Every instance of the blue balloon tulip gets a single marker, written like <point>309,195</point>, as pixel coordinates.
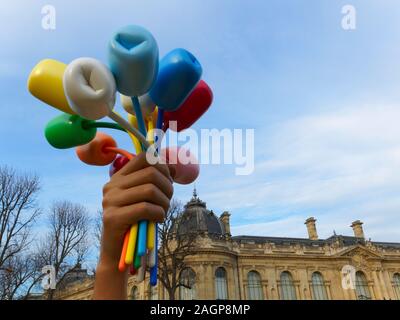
<point>133,59</point>
<point>178,75</point>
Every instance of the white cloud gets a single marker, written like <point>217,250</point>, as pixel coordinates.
<point>340,166</point>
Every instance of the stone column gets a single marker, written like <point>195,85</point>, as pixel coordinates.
<point>210,282</point>
<point>328,290</point>
<point>298,290</point>
<point>264,286</point>
<point>346,295</point>
<point>388,284</point>
<point>304,285</point>
<point>385,289</point>
<point>337,291</point>
<point>202,287</point>
<point>240,284</point>
<point>273,285</point>
<point>237,273</point>
<point>232,283</point>
<point>378,295</point>
<point>348,292</point>
<point>372,290</point>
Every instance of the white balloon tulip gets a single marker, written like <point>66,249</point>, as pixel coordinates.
<point>90,88</point>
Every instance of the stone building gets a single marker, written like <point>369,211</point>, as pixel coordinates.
<point>254,267</point>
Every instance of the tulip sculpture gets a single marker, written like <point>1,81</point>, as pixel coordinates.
<point>153,92</point>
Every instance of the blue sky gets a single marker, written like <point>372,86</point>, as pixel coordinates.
<point>324,103</point>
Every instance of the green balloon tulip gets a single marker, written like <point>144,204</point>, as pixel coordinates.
<point>69,131</point>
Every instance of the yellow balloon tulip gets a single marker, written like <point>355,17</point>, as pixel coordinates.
<point>46,83</point>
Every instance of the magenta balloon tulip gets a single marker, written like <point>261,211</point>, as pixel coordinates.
<point>118,164</point>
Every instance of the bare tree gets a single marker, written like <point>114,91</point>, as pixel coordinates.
<point>96,236</point>
<point>66,244</point>
<point>98,228</point>
<point>20,277</point>
<point>175,245</point>
<point>18,212</point>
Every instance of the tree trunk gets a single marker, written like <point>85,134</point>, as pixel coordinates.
<point>171,294</point>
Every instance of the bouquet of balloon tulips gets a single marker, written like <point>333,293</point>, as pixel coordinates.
<point>153,93</point>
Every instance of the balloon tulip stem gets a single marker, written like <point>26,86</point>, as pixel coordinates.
<point>139,116</point>
<point>137,260</point>
<point>119,151</point>
<point>153,270</point>
<point>160,120</point>
<point>142,238</point>
<point>126,125</point>
<point>109,125</point>
<point>158,139</point>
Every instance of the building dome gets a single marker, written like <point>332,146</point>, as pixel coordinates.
<point>197,218</point>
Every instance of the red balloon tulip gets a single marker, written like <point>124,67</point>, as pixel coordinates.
<point>185,167</point>
<point>198,102</point>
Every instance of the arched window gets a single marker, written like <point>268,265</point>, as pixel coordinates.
<point>134,293</point>
<point>221,287</point>
<point>288,291</point>
<point>254,287</point>
<point>318,287</point>
<point>188,279</point>
<point>362,289</point>
<point>396,285</point>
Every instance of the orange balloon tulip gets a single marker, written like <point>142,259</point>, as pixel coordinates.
<point>95,153</point>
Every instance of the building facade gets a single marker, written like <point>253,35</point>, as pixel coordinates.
<point>273,268</point>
